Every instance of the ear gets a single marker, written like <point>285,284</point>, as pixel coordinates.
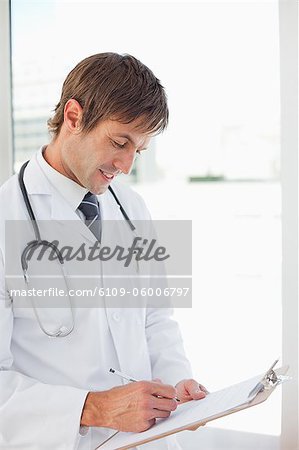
<point>73,116</point>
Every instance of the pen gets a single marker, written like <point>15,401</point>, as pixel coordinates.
<point>128,378</point>
<point>122,375</point>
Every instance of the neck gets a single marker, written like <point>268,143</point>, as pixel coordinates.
<point>52,155</point>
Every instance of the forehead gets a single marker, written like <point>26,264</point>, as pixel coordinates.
<point>136,126</point>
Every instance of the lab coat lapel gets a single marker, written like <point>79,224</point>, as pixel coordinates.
<point>125,321</point>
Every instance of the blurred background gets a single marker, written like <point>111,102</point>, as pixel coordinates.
<point>218,163</point>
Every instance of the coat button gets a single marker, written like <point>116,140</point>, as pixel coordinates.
<point>116,317</point>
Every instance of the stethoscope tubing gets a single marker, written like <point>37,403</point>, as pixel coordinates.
<point>38,241</point>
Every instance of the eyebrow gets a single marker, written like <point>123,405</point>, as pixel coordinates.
<point>127,136</point>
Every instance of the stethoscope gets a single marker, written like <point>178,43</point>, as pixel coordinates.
<point>31,246</point>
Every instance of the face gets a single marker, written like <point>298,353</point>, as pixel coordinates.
<point>93,160</point>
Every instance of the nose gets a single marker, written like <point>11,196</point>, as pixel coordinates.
<point>124,162</point>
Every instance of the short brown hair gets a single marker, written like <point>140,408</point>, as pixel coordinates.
<point>113,86</point>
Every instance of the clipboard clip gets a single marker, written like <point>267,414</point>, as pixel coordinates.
<point>269,381</point>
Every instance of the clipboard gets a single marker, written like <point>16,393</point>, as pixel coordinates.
<point>260,388</point>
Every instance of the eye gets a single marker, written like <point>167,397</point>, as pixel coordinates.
<point>118,145</point>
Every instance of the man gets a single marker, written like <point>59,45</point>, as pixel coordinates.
<point>58,393</point>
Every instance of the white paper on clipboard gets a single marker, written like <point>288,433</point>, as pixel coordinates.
<point>215,404</point>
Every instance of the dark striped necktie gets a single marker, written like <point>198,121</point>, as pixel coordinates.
<point>91,210</point>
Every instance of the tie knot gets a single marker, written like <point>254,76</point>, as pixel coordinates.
<point>90,206</point>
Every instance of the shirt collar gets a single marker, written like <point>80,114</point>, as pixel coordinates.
<point>72,192</point>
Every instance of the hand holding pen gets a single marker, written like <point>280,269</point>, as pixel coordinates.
<point>131,407</point>
<point>135,406</point>
<point>131,379</point>
<point>188,389</point>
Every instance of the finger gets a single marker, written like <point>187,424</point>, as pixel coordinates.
<point>198,394</point>
<point>151,422</point>
<point>163,390</point>
<point>195,427</point>
<point>164,404</point>
<point>157,414</point>
<point>203,389</point>
<point>188,398</point>
<point>194,390</point>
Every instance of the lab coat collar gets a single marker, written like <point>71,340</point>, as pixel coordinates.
<point>38,184</point>
<point>35,180</point>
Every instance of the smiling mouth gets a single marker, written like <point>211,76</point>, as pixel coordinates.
<point>106,175</point>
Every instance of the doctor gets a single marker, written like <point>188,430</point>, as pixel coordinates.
<point>57,393</point>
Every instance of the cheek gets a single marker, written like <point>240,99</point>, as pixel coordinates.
<point>88,154</point>
<point>83,158</point>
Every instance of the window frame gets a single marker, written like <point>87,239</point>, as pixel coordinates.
<point>6,166</point>
<point>288,25</point>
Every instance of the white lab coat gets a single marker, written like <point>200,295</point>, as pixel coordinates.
<point>43,384</point>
